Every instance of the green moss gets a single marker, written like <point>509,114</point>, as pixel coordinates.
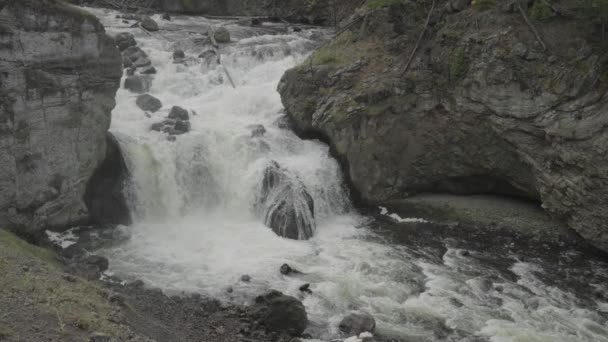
<point>13,242</point>
<point>458,63</point>
<point>375,4</point>
<point>483,4</point>
<point>540,11</point>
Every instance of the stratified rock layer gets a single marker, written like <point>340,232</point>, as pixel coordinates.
<point>482,108</point>
<point>59,74</point>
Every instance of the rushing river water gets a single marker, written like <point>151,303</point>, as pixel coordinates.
<point>195,228</point>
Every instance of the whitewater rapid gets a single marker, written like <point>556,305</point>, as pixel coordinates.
<point>195,229</point>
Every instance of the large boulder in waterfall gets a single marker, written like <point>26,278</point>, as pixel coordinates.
<point>59,76</point>
<point>149,23</point>
<point>281,313</point>
<point>357,323</point>
<point>178,112</point>
<point>471,115</point>
<point>105,196</point>
<point>285,204</point>
<point>148,103</point>
<point>222,35</point>
<point>124,40</point>
<point>138,83</point>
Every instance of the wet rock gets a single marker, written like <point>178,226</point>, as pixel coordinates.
<point>100,262</point>
<point>287,270</point>
<point>257,130</point>
<point>131,70</point>
<point>126,62</point>
<point>172,138</point>
<point>181,127</point>
<point>134,53</point>
<point>179,113</point>
<point>157,126</point>
<point>249,22</point>
<point>149,70</point>
<point>147,102</point>
<point>245,278</point>
<point>179,54</point>
<point>149,24</point>
<point>104,196</point>
<point>166,16</point>
<point>124,40</point>
<point>357,323</point>
<point>280,313</point>
<point>285,204</point>
<point>222,35</point>
<point>142,62</point>
<point>137,84</point>
<point>305,288</point>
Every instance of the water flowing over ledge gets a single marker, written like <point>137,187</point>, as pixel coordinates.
<point>196,228</point>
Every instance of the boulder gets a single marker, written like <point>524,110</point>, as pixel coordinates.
<point>280,313</point>
<point>100,262</point>
<point>126,62</point>
<point>104,197</point>
<point>357,323</point>
<point>287,270</point>
<point>134,53</point>
<point>147,102</point>
<point>181,127</point>
<point>138,84</point>
<point>149,23</point>
<point>124,40</point>
<point>222,35</point>
<point>148,70</point>
<point>179,54</point>
<point>56,63</point>
<point>285,204</point>
<point>179,113</point>
<point>166,16</point>
<point>142,62</point>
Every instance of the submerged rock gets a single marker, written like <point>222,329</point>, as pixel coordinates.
<point>149,70</point>
<point>286,205</point>
<point>179,54</point>
<point>287,270</point>
<point>257,130</point>
<point>281,313</point>
<point>148,103</point>
<point>357,323</point>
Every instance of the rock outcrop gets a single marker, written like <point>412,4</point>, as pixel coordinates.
<point>483,107</point>
<point>320,12</point>
<point>281,313</point>
<point>59,73</point>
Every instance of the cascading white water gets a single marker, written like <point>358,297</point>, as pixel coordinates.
<point>196,228</point>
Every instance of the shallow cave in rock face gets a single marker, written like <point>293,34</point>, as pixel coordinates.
<point>481,185</point>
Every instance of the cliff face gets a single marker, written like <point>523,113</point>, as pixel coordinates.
<point>482,108</point>
<point>59,73</point>
<point>320,12</point>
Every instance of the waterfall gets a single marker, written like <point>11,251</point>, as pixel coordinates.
<point>209,205</point>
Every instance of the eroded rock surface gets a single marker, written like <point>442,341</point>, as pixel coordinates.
<point>59,74</point>
<point>483,108</point>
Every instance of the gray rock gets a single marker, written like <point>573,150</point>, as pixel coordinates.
<point>179,113</point>
<point>281,313</point>
<point>287,270</point>
<point>149,23</point>
<point>126,62</point>
<point>245,278</point>
<point>148,70</point>
<point>179,54</point>
<point>134,53</point>
<point>105,195</point>
<point>157,126</point>
<point>181,127</point>
<point>149,103</point>
<point>166,16</point>
<point>138,84</point>
<point>98,261</point>
<point>540,139</point>
<point>45,164</point>
<point>222,35</point>
<point>285,204</point>
<point>357,323</point>
<point>142,62</point>
<point>124,40</point>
